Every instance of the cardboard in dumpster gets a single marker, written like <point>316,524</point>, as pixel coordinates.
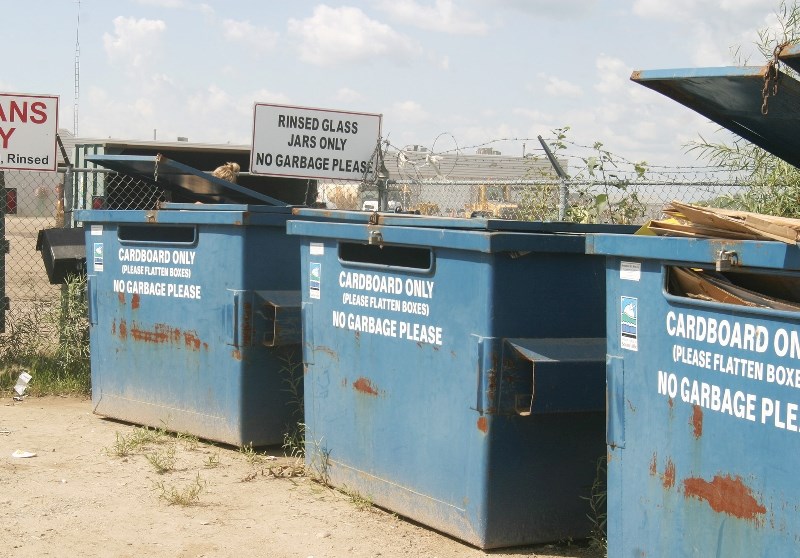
<point>689,220</point>
<point>718,287</point>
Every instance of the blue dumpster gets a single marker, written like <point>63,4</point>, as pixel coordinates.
<point>455,370</point>
<point>195,315</point>
<point>703,400</point>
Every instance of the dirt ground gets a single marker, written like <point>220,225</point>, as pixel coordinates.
<point>78,497</point>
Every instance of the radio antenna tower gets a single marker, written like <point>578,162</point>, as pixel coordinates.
<point>77,73</point>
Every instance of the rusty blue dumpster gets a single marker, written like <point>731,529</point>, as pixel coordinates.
<point>195,315</point>
<point>703,400</point>
<point>455,370</point>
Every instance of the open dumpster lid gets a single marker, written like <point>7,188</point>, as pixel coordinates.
<point>190,182</point>
<point>482,224</point>
<point>732,97</point>
<point>790,55</point>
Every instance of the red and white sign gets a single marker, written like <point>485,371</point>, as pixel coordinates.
<point>28,128</point>
<point>303,142</point>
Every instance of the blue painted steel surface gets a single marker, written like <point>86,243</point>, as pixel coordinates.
<point>194,315</point>
<point>732,97</point>
<point>703,406</point>
<point>455,376</point>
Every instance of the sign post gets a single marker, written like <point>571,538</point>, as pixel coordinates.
<point>28,128</point>
<point>303,142</point>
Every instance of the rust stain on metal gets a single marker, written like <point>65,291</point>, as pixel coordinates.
<point>135,300</point>
<point>248,324</point>
<point>636,74</point>
<point>163,333</point>
<point>121,298</point>
<point>483,425</point>
<point>653,463</point>
<point>669,474</point>
<point>191,340</point>
<point>237,354</point>
<point>726,494</point>
<point>113,328</point>
<point>328,351</point>
<point>671,402</point>
<point>123,330</point>
<point>364,386</point>
<point>697,421</point>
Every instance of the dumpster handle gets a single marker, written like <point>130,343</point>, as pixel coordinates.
<point>91,300</point>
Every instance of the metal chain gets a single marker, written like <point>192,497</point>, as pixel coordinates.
<point>771,77</point>
<point>155,169</point>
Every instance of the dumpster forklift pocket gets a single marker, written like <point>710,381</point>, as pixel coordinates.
<point>544,376</point>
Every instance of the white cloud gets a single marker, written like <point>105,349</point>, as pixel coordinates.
<point>347,95</point>
<point>134,42</point>
<point>613,75</point>
<point>555,9</point>
<point>340,35</point>
<point>442,63</point>
<point>557,87</point>
<point>409,111</point>
<point>267,96</point>
<point>531,114</point>
<point>444,16</point>
<point>163,3</point>
<point>178,4</point>
<point>715,28</point>
<point>257,38</point>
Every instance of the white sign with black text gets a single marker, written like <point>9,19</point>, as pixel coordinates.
<point>303,142</point>
<point>28,128</point>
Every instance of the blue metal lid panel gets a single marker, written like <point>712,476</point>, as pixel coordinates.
<point>732,97</point>
<point>742,253</point>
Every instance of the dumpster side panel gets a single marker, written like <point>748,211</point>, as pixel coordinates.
<point>405,368</point>
<point>176,328</point>
<point>705,422</point>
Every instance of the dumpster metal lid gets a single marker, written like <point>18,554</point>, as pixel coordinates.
<point>479,223</point>
<point>732,97</point>
<point>178,177</point>
<point>742,253</point>
<point>790,54</point>
<point>520,244</point>
<point>573,349</point>
<point>190,215</point>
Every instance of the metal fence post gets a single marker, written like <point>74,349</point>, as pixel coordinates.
<point>563,191</point>
<point>3,251</point>
<point>69,195</point>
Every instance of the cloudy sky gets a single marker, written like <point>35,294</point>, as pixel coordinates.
<point>441,72</point>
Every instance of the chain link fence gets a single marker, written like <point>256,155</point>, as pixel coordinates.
<point>32,201</point>
<point>29,202</point>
